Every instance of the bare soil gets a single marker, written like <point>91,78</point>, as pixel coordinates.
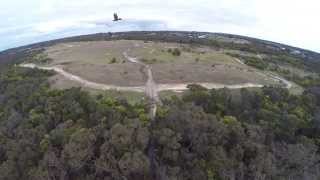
<point>92,61</point>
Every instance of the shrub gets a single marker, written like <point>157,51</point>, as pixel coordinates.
<point>113,60</point>
<point>256,62</point>
<point>154,60</point>
<point>176,52</point>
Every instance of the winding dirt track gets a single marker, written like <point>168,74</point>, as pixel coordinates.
<point>285,82</point>
<point>158,87</point>
<point>82,81</point>
<point>151,88</point>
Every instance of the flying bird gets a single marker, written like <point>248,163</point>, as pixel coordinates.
<point>116,18</point>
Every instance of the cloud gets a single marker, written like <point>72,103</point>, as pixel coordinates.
<point>59,25</point>
<point>286,21</point>
<point>17,36</point>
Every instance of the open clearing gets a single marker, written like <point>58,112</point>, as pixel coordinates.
<point>59,82</point>
<point>149,67</point>
<point>104,62</point>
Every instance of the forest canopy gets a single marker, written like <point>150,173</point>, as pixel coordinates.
<point>246,134</point>
<point>205,134</point>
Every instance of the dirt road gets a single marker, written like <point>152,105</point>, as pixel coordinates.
<point>275,77</point>
<point>151,89</point>
<point>82,81</point>
<point>160,87</point>
<point>183,87</point>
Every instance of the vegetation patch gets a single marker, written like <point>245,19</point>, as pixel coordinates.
<point>284,65</point>
<point>69,133</point>
<point>93,135</point>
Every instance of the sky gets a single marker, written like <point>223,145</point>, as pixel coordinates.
<point>292,22</point>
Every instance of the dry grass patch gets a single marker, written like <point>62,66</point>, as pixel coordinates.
<point>104,62</point>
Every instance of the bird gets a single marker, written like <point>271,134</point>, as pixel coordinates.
<point>116,18</point>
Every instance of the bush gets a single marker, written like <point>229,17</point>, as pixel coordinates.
<point>176,52</point>
<point>251,61</point>
<point>154,60</point>
<point>113,60</point>
<point>256,62</point>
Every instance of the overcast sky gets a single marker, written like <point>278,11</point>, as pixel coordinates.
<point>293,22</point>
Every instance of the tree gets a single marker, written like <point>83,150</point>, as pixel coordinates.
<point>80,149</point>
<point>176,52</point>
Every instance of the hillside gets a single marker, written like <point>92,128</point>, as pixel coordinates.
<point>159,105</point>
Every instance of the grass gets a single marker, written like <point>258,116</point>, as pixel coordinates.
<point>59,82</point>
<point>185,57</point>
<point>131,97</point>
<point>104,62</point>
<point>111,52</point>
<point>168,94</point>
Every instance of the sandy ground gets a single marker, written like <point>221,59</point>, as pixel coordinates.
<point>85,82</point>
<point>91,61</point>
<point>126,66</point>
<point>151,89</point>
<point>178,73</point>
<point>90,64</point>
<point>160,87</point>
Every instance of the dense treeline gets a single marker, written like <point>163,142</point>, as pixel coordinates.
<point>256,46</point>
<point>205,134</point>
<point>279,63</point>
<point>63,134</point>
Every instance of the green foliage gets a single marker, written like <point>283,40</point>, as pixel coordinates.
<point>113,60</point>
<point>174,52</point>
<point>41,58</point>
<point>206,134</point>
<point>149,61</point>
<point>229,120</point>
<point>44,143</point>
<point>306,81</point>
<point>162,112</point>
<point>144,118</point>
<point>256,62</point>
<point>272,63</point>
<point>286,59</point>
